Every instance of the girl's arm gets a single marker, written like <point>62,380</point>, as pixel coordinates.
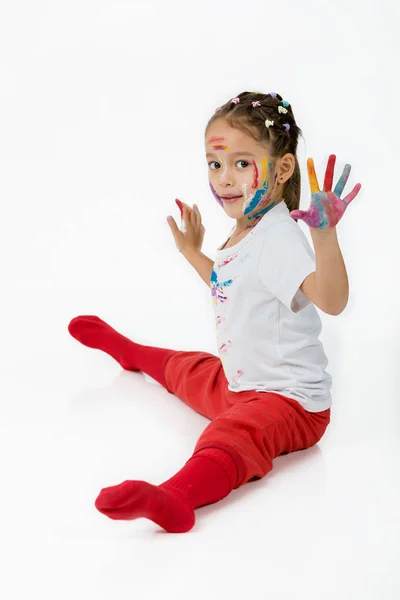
<point>201,263</point>
<point>328,287</point>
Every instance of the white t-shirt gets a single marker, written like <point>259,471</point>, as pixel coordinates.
<point>267,329</point>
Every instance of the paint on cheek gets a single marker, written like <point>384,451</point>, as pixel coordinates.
<point>247,199</point>
<point>258,199</point>
<point>255,201</point>
<point>255,182</point>
<point>264,169</point>
<point>218,199</point>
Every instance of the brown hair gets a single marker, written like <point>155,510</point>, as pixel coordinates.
<point>251,120</point>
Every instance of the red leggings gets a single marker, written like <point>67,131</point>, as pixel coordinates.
<point>252,427</point>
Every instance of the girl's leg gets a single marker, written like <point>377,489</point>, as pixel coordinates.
<point>262,429</point>
<point>197,378</point>
<point>239,445</point>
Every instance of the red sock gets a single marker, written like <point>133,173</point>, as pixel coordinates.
<point>95,333</point>
<point>207,477</point>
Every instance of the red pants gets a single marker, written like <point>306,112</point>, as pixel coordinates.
<point>252,427</point>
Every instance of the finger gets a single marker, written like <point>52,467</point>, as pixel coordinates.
<point>297,214</point>
<point>186,223</point>
<point>198,215</point>
<point>350,197</point>
<point>312,176</point>
<point>342,181</point>
<point>186,213</point>
<point>194,217</point>
<point>174,227</point>
<point>180,206</point>
<point>330,169</point>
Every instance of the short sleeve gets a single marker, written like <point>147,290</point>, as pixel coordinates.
<point>286,259</point>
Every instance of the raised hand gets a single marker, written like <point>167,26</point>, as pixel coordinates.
<point>326,208</point>
<point>192,234</point>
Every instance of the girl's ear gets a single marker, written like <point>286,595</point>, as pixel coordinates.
<point>286,167</point>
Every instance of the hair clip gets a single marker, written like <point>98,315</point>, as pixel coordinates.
<point>285,103</point>
<point>268,123</point>
<point>282,110</point>
<point>235,100</point>
<point>286,126</point>
<point>256,103</point>
<point>217,109</point>
<point>273,95</point>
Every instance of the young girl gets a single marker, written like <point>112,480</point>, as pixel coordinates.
<point>268,392</point>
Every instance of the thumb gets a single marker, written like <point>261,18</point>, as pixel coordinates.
<point>297,214</point>
<point>173,226</point>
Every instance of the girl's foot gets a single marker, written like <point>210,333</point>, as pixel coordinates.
<point>138,499</point>
<point>95,333</point>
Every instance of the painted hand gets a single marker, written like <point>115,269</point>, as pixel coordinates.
<point>326,208</point>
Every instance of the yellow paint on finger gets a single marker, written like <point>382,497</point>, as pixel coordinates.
<point>312,176</point>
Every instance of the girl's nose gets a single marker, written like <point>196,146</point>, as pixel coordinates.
<point>226,178</point>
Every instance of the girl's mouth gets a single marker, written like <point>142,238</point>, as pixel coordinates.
<point>231,200</point>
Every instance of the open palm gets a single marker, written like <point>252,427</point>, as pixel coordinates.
<point>326,208</point>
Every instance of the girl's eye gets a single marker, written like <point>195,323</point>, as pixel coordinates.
<point>244,161</point>
<point>215,162</point>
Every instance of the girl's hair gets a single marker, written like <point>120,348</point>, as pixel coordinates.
<point>251,120</point>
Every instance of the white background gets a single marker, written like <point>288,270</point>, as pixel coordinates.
<point>103,107</point>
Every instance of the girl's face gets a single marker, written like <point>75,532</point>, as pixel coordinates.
<point>239,166</point>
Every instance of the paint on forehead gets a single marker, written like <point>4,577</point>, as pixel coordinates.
<point>220,147</point>
<point>218,199</point>
<point>215,139</point>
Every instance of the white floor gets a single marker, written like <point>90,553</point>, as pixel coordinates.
<point>323,524</point>
<point>103,109</point>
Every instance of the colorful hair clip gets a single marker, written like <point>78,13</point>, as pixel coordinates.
<point>273,95</point>
<point>256,103</point>
<point>282,110</point>
<point>268,123</point>
<point>286,126</point>
<point>217,109</point>
<point>235,100</point>
<point>285,103</point>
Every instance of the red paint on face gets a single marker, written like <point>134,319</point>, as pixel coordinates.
<point>216,139</point>
<point>255,182</point>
